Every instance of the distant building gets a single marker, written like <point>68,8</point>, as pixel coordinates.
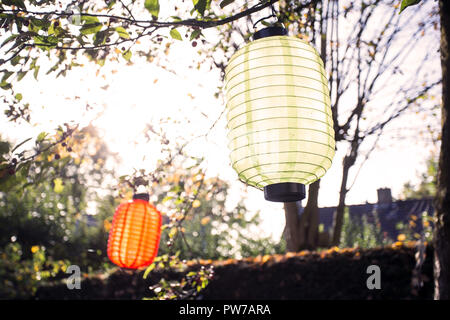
<point>389,213</point>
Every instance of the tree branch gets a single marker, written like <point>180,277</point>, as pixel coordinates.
<point>204,24</point>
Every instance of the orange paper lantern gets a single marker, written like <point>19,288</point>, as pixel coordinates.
<point>134,237</point>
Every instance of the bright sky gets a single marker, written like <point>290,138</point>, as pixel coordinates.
<point>144,93</point>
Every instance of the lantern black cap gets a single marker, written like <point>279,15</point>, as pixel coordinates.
<point>141,196</point>
<point>270,32</point>
<point>285,192</point>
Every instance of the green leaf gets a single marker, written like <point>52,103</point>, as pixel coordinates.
<point>91,28</point>
<point>224,3</point>
<point>39,24</point>
<point>148,270</point>
<point>41,137</point>
<point>111,3</point>
<point>20,75</point>
<point>153,7</point>
<point>51,30</point>
<point>175,34</point>
<point>407,3</point>
<point>122,33</point>
<point>200,6</point>
<point>89,19</point>
<point>100,37</point>
<point>20,4</point>
<point>9,39</point>
<point>45,42</point>
<point>195,34</point>
<point>15,61</point>
<point>172,232</point>
<point>126,55</point>
<point>36,71</point>
<point>17,3</point>
<point>5,85</point>
<point>58,188</point>
<point>6,75</point>
<point>19,96</point>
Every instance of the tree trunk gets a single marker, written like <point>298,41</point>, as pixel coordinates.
<point>442,218</point>
<point>338,219</point>
<point>302,231</point>
<point>291,230</point>
<point>312,215</point>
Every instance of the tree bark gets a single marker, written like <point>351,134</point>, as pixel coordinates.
<point>291,230</point>
<point>312,215</point>
<point>347,163</point>
<point>302,231</point>
<point>442,201</point>
<point>338,219</point>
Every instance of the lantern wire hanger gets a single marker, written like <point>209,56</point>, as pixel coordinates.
<point>140,192</point>
<point>139,185</point>
<point>276,29</point>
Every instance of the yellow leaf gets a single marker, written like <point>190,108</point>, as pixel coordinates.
<point>58,188</point>
<point>265,258</point>
<point>205,220</point>
<point>196,203</point>
<point>107,225</point>
<point>291,254</point>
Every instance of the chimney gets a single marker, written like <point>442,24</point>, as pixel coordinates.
<point>384,196</point>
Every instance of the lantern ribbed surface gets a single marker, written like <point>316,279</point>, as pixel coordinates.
<point>278,111</point>
<point>135,233</point>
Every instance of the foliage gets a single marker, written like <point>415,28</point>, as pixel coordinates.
<point>362,233</point>
<point>46,209</point>
<point>20,167</point>
<point>20,277</point>
<point>43,211</point>
<point>197,225</point>
<point>416,228</point>
<point>427,185</point>
<point>38,32</point>
<point>188,287</point>
<point>210,231</point>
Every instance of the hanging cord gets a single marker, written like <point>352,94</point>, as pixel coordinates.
<point>272,15</point>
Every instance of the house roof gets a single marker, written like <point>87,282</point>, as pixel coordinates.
<point>388,214</point>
